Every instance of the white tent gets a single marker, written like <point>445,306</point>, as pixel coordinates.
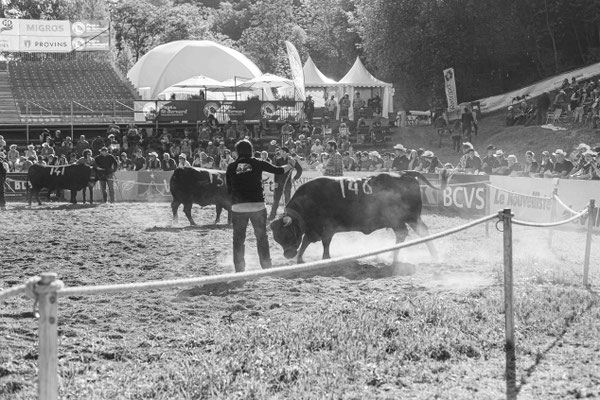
<point>167,64</point>
<point>316,83</point>
<point>358,79</point>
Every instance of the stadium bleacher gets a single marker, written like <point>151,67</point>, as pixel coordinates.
<point>79,88</point>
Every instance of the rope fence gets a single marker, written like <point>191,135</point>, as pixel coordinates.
<point>551,224</point>
<point>563,205</point>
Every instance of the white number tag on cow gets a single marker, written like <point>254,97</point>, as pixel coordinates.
<point>57,170</point>
<point>354,186</point>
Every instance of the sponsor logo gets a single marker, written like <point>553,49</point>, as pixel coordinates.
<point>210,108</point>
<point>149,110</point>
<point>243,168</point>
<point>78,28</point>
<point>7,25</point>
<point>44,28</point>
<point>267,110</point>
<point>468,197</point>
<point>78,43</point>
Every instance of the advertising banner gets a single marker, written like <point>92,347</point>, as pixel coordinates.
<point>530,199</point>
<point>44,28</point>
<point>576,195</point>
<point>450,87</point>
<point>38,44</point>
<point>465,195</point>
<point>90,35</point>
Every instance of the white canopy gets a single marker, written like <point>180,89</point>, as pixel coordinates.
<point>173,62</point>
<point>313,77</point>
<point>359,79</point>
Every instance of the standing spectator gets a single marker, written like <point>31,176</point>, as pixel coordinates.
<point>331,107</point>
<point>44,135</point>
<point>244,183</point>
<point>230,133</point>
<point>357,105</point>
<point>456,135</point>
<point>226,159</point>
<point>58,139</point>
<point>466,120</point>
<point>139,162</point>
<point>287,131</point>
<point>46,150</point>
<point>107,165</point>
<point>334,165</point>
<point>309,108</point>
<point>344,106</point>
<point>67,146</point>
<point>283,182</point>
<point>186,147</point>
<point>81,145</point>
<point>113,129</point>
<point>317,147</point>
<point>167,163</point>
<point>3,172</point>
<point>175,150</point>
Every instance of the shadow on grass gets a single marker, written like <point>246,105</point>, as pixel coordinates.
<point>353,271</point>
<point>208,227</point>
<point>19,315</point>
<point>53,207</point>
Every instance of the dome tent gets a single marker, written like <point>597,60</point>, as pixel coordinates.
<point>173,62</point>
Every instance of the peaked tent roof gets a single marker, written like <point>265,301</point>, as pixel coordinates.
<point>313,77</point>
<point>359,76</point>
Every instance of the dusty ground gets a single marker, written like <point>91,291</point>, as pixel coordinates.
<point>121,243</point>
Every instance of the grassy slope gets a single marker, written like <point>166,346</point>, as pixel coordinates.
<point>513,140</point>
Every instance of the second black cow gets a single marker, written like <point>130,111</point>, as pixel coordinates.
<point>325,206</point>
<point>200,186</point>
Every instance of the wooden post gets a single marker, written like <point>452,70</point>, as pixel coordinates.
<point>487,209</point>
<point>588,240</point>
<point>552,215</point>
<point>511,375</point>
<point>48,332</point>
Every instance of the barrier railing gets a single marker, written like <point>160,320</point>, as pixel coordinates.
<point>46,289</point>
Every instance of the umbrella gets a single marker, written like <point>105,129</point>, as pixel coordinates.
<point>203,82</point>
<point>267,81</point>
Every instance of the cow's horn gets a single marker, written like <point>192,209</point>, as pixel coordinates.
<point>287,221</point>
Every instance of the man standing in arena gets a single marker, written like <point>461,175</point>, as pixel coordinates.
<point>283,183</point>
<point>244,183</point>
<point>107,165</point>
<point>335,163</point>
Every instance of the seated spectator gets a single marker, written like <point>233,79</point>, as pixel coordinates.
<point>30,152</point>
<point>363,161</point>
<point>472,163</point>
<point>114,147</point>
<point>225,160</point>
<point>52,159</point>
<point>67,146</point>
<point>343,131</point>
<point>489,161</point>
<point>183,162</point>
<point>387,162</point>
<point>139,162</point>
<point>175,150</point>
<point>167,163</point>
<point>578,159</point>
<point>287,131</point>
<point>186,147</point>
<point>348,161</point>
<point>376,161</point>
<point>230,134</point>
<point>530,167</point>
<point>12,157</point>
<point>589,168</point>
<point>413,159</point>
<point>25,163</point>
<point>546,165</point>
<point>513,168</point>
<point>264,156</point>
<point>562,166</point>
<point>206,161</point>
<point>213,123</point>
<point>429,163</point>
<point>153,162</point>
<point>242,130</point>
<point>197,162</point>
<point>81,145</point>
<point>317,147</point>
<point>272,149</point>
<point>501,164</point>
<point>125,164</point>
<point>46,151</point>
<point>313,162</point>
<point>62,160</point>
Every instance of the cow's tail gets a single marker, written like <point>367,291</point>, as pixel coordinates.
<point>444,177</point>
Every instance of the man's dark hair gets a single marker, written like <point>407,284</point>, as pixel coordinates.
<point>333,143</point>
<point>285,148</point>
<point>244,148</point>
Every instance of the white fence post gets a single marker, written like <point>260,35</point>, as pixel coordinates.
<point>48,332</point>
<point>588,240</point>
<point>511,375</point>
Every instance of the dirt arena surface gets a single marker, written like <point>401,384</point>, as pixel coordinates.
<point>147,344</point>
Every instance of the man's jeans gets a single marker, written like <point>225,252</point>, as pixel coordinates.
<point>259,223</point>
<point>111,189</point>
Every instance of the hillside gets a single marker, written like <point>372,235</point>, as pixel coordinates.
<point>492,130</point>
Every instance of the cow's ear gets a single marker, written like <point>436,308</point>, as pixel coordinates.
<point>287,221</point>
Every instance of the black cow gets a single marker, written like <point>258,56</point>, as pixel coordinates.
<point>54,177</point>
<point>325,206</point>
<point>201,186</point>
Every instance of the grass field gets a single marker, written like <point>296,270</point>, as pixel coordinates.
<point>351,332</point>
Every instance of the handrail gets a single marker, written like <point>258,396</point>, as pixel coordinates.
<point>79,104</point>
<point>39,106</point>
<point>124,105</point>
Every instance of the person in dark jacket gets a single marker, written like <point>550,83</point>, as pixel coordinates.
<point>106,165</point>
<point>244,184</point>
<point>283,183</point>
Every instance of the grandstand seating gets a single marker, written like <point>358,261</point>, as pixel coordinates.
<point>81,88</point>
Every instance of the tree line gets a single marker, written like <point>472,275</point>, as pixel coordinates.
<point>493,45</point>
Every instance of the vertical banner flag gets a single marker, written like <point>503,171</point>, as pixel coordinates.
<point>450,86</point>
<point>296,69</point>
